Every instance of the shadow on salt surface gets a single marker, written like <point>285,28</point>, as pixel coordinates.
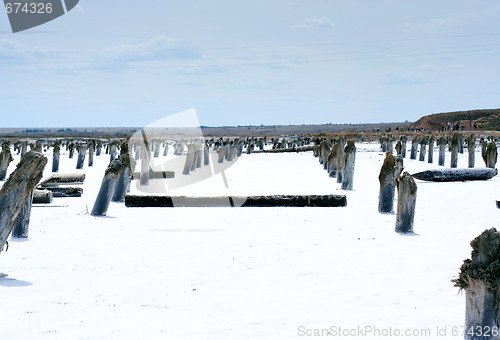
<point>7,282</point>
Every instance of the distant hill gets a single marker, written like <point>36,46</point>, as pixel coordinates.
<point>488,120</point>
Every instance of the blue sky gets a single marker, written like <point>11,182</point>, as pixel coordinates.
<point>124,63</point>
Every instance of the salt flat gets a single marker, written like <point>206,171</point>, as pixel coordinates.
<point>229,273</point>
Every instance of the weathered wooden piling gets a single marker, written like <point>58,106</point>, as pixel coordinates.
<point>206,154</point>
<point>24,149</point>
<point>407,197</point>
<point>56,155</point>
<point>21,229</point>
<point>108,185</point>
<point>145,162</point>
<point>461,143</point>
<point>348,170</point>
<point>17,189</point>
<point>399,147</point>
<point>403,140</point>
<point>332,160</point>
<point>340,158</point>
<point>442,141</point>
<point>387,184</point>
<point>91,147</point>
<point>221,152</point>
<point>423,145</point>
<point>471,149</point>
<point>5,159</point>
<point>430,152</point>
<point>188,166</point>
<point>165,150</point>
<point>479,278</point>
<point>491,155</point>
<point>414,146</point>
<point>113,150</point>
<point>455,140</point>
<point>82,150</point>
<point>71,148</point>
<point>98,148</point>
<point>128,166</point>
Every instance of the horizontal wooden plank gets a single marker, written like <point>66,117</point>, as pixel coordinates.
<point>243,201</point>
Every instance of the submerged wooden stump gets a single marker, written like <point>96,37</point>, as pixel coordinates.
<point>407,196</point>
<point>455,140</point>
<point>91,146</point>
<point>349,160</point>
<point>332,160</point>
<point>56,155</point>
<point>17,189</point>
<point>430,153</point>
<point>108,185</point>
<point>414,146</point>
<point>480,278</point>
<point>5,159</point>
<point>423,146</point>
<point>340,159</point>
<point>442,149</point>
<point>491,155</point>
<point>387,184</point>
<point>471,148</point>
<point>21,229</point>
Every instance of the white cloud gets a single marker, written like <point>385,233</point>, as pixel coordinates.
<point>309,23</point>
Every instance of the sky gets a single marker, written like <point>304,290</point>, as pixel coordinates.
<point>128,63</point>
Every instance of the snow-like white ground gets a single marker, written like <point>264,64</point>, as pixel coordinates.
<point>238,273</point>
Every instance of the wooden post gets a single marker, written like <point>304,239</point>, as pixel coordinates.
<point>387,188</point>
<point>454,150</point>
<point>399,147</point>
<point>113,150</point>
<point>137,148</point>
<point>98,148</point>
<point>403,139</point>
<point>21,229</point>
<point>206,154</point>
<point>38,147</point>
<point>479,278</point>
<point>5,159</point>
<point>423,145</point>
<point>383,143</point>
<point>128,165</point>
<point>332,160</point>
<point>221,152</point>
<point>145,162</point>
<point>156,149</point>
<point>407,196</point>
<point>82,150</point>
<point>189,160</point>
<point>56,154</point>
<point>91,146</point>
<point>471,149</point>
<point>348,170</point>
<point>399,166</point>
<point>430,152</point>
<point>17,189</point>
<point>461,143</point>
<point>108,185</point>
<point>490,156</point>
<point>24,149</point>
<point>442,149</point>
<point>340,158</point>
<point>71,148</point>
<point>414,146</point>
<point>165,150</point>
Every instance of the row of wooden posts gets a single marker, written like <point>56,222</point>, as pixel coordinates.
<point>455,143</point>
<point>338,158</point>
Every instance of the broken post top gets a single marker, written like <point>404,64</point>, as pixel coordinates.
<point>114,168</point>
<point>484,264</point>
